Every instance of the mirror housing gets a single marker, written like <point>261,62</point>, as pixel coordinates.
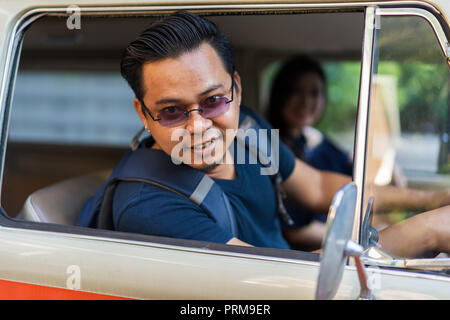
<point>337,246</point>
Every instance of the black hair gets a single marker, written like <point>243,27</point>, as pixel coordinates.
<point>284,84</point>
<point>171,37</point>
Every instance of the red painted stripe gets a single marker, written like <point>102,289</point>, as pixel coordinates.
<point>11,290</point>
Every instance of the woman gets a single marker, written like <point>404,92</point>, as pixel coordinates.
<point>297,101</point>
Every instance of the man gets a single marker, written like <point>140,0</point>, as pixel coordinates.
<point>181,70</point>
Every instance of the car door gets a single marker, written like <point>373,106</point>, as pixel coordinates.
<point>407,140</point>
<point>65,115</point>
<point>51,99</point>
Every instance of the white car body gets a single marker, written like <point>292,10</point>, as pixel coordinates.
<point>66,262</point>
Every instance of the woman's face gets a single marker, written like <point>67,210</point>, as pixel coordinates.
<point>306,103</point>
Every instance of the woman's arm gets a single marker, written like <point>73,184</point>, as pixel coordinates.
<point>388,198</point>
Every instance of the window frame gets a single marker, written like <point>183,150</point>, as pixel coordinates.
<point>14,40</point>
<point>369,55</point>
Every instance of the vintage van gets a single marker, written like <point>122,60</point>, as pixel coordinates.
<point>66,118</point>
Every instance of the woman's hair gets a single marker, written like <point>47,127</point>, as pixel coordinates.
<point>171,37</point>
<point>284,85</point>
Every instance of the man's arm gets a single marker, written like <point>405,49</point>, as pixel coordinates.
<point>430,230</point>
<point>418,234</point>
<point>237,242</point>
<point>314,189</point>
<point>311,188</point>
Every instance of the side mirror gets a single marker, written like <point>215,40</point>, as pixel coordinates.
<point>337,246</point>
<point>368,235</point>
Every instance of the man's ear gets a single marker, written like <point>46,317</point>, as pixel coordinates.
<point>238,87</point>
<point>138,107</point>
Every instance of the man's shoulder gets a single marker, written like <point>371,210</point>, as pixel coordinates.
<point>134,193</point>
<point>132,197</point>
<point>248,112</point>
<point>144,208</point>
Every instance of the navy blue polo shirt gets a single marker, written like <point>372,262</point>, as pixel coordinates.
<point>144,208</point>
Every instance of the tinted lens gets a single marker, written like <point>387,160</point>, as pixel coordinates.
<point>172,116</point>
<point>210,108</point>
<point>214,107</point>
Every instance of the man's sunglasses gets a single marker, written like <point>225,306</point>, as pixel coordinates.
<point>209,108</point>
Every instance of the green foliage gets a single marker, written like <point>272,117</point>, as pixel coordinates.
<point>342,97</point>
<point>422,91</point>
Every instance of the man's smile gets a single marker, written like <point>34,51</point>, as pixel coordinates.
<point>204,144</point>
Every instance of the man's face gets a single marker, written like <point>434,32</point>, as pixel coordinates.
<point>185,82</point>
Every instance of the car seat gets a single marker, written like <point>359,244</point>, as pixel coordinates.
<point>61,203</point>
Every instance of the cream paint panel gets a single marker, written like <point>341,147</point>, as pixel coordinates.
<point>144,271</point>
<point>16,6</point>
<point>150,271</point>
<point>10,9</point>
<point>391,284</point>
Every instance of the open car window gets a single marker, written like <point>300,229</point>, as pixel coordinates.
<point>72,113</point>
<point>408,144</point>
